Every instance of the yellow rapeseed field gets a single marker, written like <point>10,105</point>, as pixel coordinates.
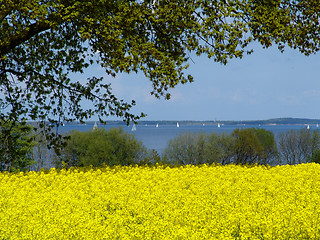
<point>188,202</point>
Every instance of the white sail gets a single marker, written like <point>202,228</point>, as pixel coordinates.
<point>178,124</point>
<point>134,128</point>
<point>157,125</point>
<point>218,125</point>
<point>95,126</point>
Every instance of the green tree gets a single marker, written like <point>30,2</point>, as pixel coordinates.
<point>219,148</point>
<point>187,148</point>
<point>269,145</point>
<point>15,148</point>
<point>247,148</point>
<point>101,146</point>
<point>199,148</point>
<point>315,157</point>
<point>254,146</point>
<point>315,148</point>
<point>43,43</point>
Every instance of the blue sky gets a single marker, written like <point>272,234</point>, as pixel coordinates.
<point>266,84</point>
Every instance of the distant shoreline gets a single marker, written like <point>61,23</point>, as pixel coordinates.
<point>268,122</point>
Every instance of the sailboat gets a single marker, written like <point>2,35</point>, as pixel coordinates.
<point>157,125</point>
<point>218,125</point>
<point>134,128</point>
<point>178,125</point>
<point>95,126</point>
<point>308,127</point>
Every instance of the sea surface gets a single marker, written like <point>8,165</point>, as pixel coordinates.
<point>157,138</point>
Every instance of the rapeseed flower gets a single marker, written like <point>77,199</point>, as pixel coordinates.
<point>161,202</point>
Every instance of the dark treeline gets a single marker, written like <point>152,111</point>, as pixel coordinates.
<point>116,147</point>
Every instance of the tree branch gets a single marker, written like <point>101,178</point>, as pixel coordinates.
<point>24,36</point>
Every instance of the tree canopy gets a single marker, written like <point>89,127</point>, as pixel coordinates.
<point>100,146</point>
<point>254,145</point>
<point>16,145</point>
<point>42,43</point>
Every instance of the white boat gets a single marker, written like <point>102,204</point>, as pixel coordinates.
<point>134,128</point>
<point>219,125</point>
<point>317,125</point>
<point>308,127</point>
<point>178,124</point>
<point>95,126</point>
<point>157,125</point>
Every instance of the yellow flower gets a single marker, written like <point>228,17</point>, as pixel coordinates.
<point>160,202</point>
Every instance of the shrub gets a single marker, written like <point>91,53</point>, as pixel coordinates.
<point>101,146</point>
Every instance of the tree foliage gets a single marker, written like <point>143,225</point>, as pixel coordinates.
<point>187,148</point>
<point>101,146</point>
<point>243,146</point>
<point>254,145</point>
<point>219,148</point>
<point>42,43</point>
<point>16,147</point>
<point>192,148</point>
<point>269,146</point>
<point>247,146</point>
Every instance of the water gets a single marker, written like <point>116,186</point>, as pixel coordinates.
<point>158,137</point>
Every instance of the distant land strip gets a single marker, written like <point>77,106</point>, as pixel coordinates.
<point>274,121</point>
